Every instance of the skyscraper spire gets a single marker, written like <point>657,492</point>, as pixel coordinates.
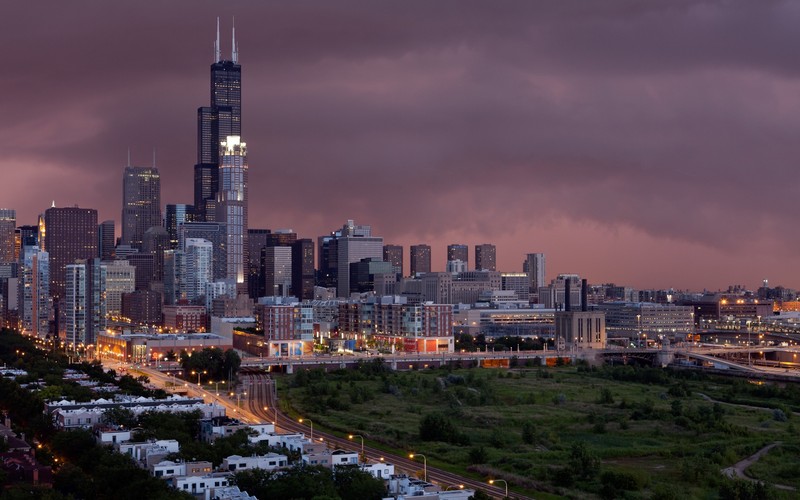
<point>154,157</point>
<point>234,48</point>
<point>217,53</point>
<point>129,157</point>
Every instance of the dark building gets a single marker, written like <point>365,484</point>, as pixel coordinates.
<point>456,251</point>
<point>141,203</point>
<point>216,233</point>
<point>485,257</point>
<point>106,240</point>
<point>393,254</point>
<point>155,242</point>
<point>420,259</point>
<point>256,241</point>
<point>177,214</point>
<point>281,238</point>
<point>327,269</point>
<point>25,236</point>
<point>71,234</point>
<point>303,269</point>
<point>214,123</point>
<point>363,272</point>
<point>145,269</point>
<point>142,307</point>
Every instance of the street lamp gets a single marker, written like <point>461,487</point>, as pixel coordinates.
<point>275,408</point>
<point>216,386</point>
<point>492,481</point>
<point>424,463</point>
<point>351,436</point>
<point>309,423</point>
<point>198,375</point>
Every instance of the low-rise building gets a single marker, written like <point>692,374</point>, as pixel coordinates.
<point>270,461</point>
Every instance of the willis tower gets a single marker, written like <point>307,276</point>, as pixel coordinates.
<point>223,118</point>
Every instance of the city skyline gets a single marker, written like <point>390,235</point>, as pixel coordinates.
<point>624,141</point>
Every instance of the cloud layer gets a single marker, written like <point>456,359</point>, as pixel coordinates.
<point>651,144</point>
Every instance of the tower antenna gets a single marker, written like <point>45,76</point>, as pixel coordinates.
<point>217,53</point>
<point>154,157</point>
<point>129,156</point>
<point>234,48</point>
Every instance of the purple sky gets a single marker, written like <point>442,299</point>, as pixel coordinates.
<point>652,144</point>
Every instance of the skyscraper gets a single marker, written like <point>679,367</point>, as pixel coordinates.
<point>141,203</point>
<point>277,262</point>
<point>175,215</point>
<point>221,119</point>
<point>34,291</point>
<point>349,244</point>
<point>106,240</point>
<point>8,225</point>
<point>457,251</point>
<point>534,266</point>
<point>84,301</point>
<point>485,257</point>
<point>394,255</point>
<point>303,269</point>
<point>256,240</point>
<point>71,235</point>
<point>232,207</point>
<point>420,259</point>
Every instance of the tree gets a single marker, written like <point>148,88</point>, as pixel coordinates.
<point>582,462</point>
<point>353,483</point>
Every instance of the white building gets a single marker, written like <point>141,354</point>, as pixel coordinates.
<point>232,205</point>
<point>34,292</point>
<point>199,262</point>
<point>270,461</point>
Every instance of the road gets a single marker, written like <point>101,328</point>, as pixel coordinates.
<point>261,405</point>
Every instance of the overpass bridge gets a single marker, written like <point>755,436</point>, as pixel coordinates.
<point>752,359</point>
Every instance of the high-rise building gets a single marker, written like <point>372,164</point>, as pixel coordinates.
<point>394,255</point>
<point>232,207</point>
<point>155,242</point>
<point>145,268</point>
<point>34,291</point>
<point>534,266</point>
<point>303,269</point>
<point>420,259</point>
<point>8,225</point>
<point>25,236</point>
<point>277,263</point>
<point>215,123</point>
<point>120,279</point>
<point>199,264</point>
<point>141,203</point>
<point>457,251</point>
<point>71,234</point>
<point>174,216</point>
<point>106,240</point>
<point>349,244</point>
<point>281,238</point>
<point>85,302</point>
<point>485,257</point>
<point>216,233</point>
<point>256,240</point>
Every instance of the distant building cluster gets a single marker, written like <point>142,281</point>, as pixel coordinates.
<point>183,267</point>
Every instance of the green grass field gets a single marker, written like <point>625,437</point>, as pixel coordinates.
<point>609,432</point>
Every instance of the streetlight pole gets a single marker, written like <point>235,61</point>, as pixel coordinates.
<point>351,436</point>
<point>424,463</point>
<point>492,481</point>
<point>309,423</point>
<point>275,409</point>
